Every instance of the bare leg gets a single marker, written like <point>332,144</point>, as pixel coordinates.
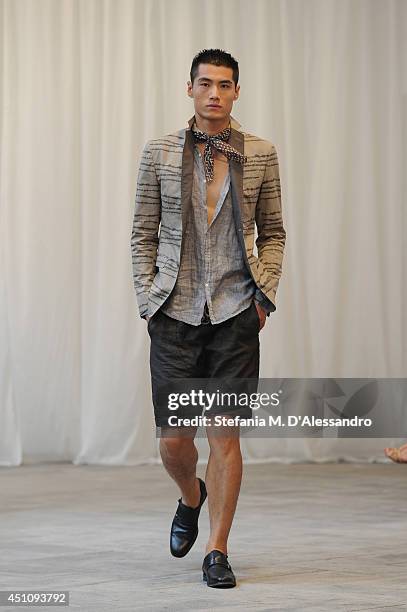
<point>223,479</point>
<point>180,456</point>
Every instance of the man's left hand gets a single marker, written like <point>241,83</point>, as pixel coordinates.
<point>262,315</point>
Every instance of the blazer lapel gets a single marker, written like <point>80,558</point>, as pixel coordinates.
<point>236,140</point>
<point>187,175</point>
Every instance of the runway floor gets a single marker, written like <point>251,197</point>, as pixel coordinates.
<point>305,537</point>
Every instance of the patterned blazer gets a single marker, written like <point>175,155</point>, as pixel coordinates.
<point>162,204</point>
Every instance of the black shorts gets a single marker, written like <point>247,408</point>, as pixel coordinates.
<point>224,355</point>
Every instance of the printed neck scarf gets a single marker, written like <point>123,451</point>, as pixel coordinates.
<point>217,141</point>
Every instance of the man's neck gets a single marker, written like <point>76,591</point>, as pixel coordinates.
<point>211,126</point>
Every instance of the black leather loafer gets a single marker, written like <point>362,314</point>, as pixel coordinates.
<point>184,528</point>
<point>217,571</point>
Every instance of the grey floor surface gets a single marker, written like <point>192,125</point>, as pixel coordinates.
<point>305,537</point>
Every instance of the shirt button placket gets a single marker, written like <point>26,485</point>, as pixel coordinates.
<point>207,266</point>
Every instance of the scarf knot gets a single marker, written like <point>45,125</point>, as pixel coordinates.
<point>217,141</point>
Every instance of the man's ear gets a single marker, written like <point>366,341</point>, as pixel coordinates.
<point>189,89</point>
<point>237,92</point>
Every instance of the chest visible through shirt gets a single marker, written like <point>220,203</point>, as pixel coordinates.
<point>213,189</point>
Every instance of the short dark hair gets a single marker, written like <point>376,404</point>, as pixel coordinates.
<point>217,57</point>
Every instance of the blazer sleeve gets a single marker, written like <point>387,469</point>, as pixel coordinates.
<point>271,234</point>
<point>146,222</point>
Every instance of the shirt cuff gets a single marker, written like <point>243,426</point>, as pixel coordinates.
<point>264,302</point>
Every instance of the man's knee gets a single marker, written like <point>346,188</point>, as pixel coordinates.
<point>224,440</point>
<point>175,447</point>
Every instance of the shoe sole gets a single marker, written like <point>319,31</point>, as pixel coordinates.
<point>219,585</point>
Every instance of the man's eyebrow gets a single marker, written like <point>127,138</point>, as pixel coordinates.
<point>210,80</point>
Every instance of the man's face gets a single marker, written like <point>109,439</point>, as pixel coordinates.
<point>213,92</point>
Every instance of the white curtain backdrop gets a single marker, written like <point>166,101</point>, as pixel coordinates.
<point>84,84</point>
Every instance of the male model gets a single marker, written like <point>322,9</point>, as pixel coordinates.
<point>203,292</point>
